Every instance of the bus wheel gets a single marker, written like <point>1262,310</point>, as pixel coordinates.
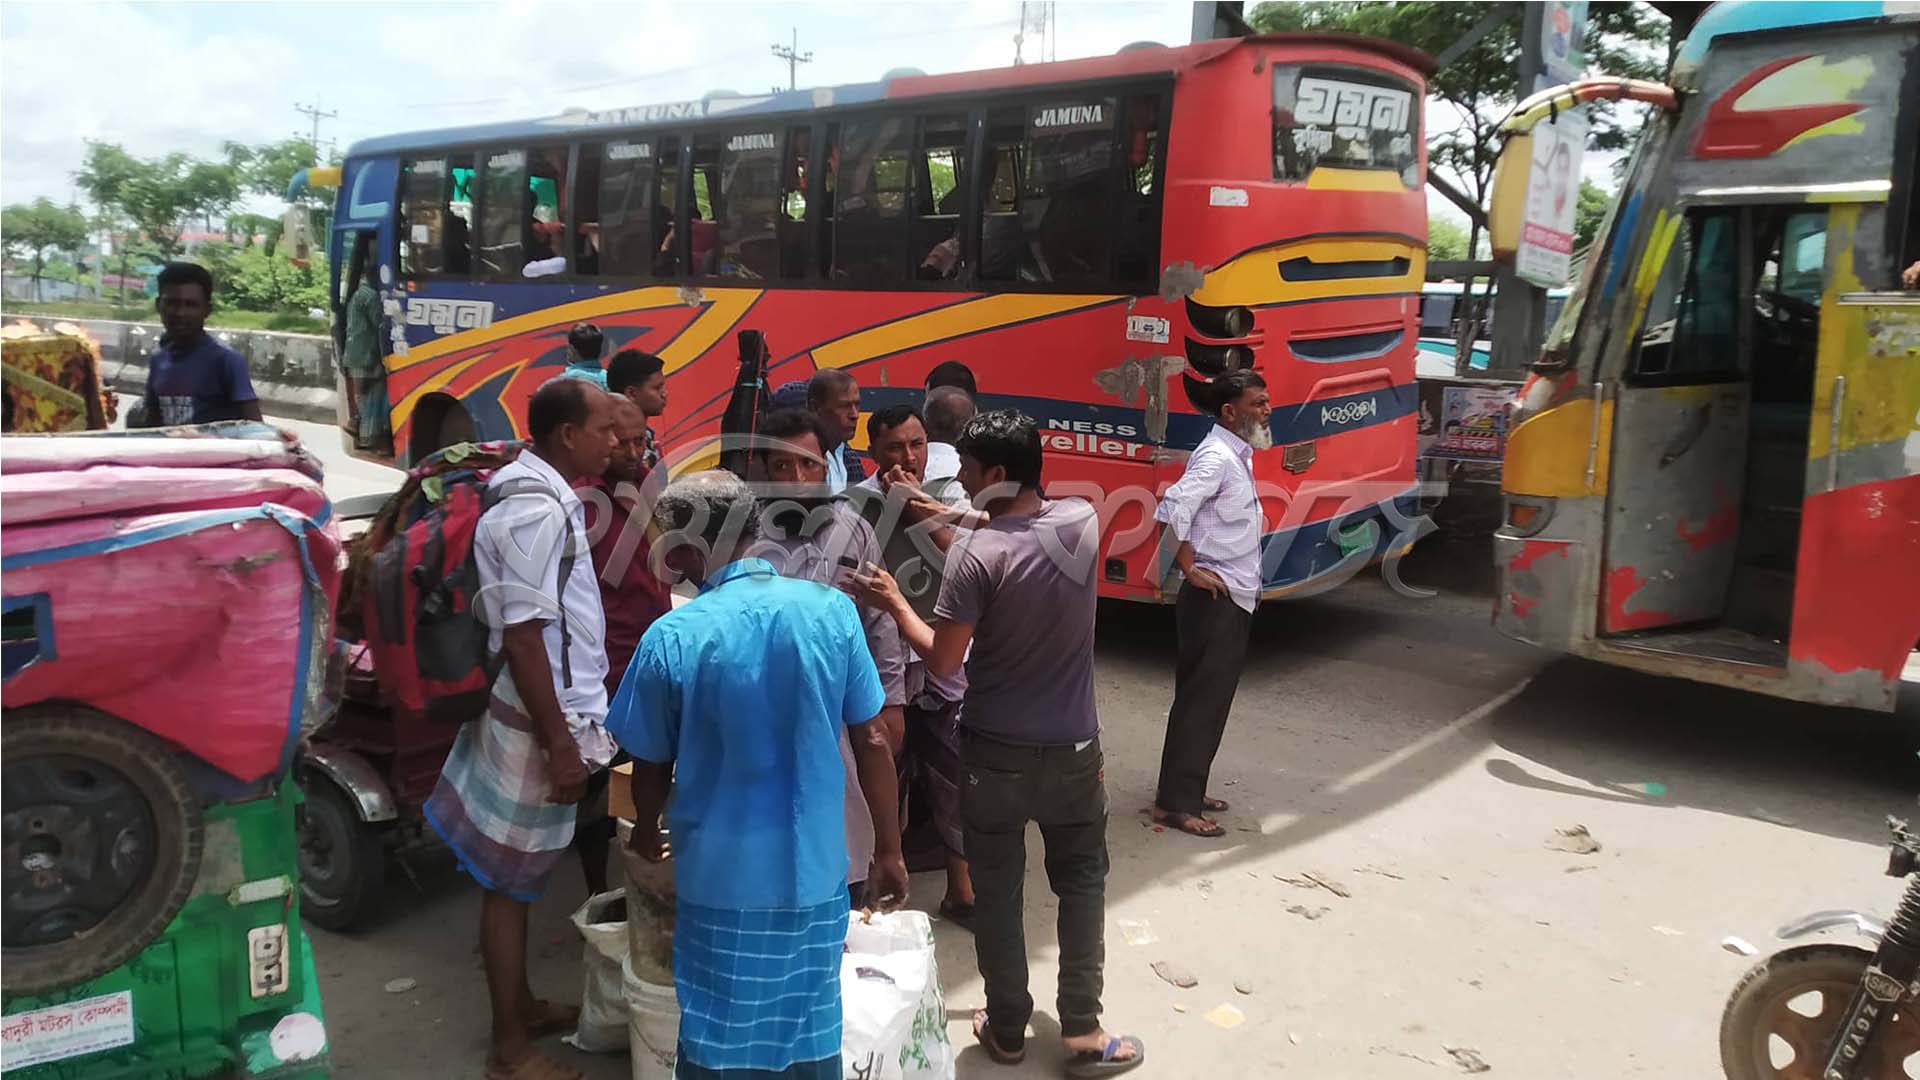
<point>343,860</point>
<point>103,835</point>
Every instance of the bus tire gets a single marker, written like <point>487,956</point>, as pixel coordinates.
<point>103,833</point>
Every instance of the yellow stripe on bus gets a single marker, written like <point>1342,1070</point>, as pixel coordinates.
<point>945,324</point>
<point>1254,278</point>
<point>1876,346</point>
<point>1329,178</point>
<point>403,409</point>
<point>726,306</point>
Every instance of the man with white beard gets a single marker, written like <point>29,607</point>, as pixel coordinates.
<point>1213,513</point>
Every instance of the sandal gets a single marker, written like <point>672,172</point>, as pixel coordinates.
<point>960,915</point>
<point>984,1035</point>
<point>534,1066</point>
<point>1105,1061</point>
<point>1214,806</point>
<point>1191,824</point>
<point>553,1020</point>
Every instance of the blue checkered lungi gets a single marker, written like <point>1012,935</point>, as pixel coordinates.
<point>759,989</point>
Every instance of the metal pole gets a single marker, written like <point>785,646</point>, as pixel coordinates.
<point>1519,309</point>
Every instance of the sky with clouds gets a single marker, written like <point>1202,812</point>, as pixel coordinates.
<point>159,77</point>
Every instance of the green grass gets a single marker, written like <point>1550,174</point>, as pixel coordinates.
<point>290,322</point>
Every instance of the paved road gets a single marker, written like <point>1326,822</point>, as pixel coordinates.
<point>346,476</point>
<point>1404,749</point>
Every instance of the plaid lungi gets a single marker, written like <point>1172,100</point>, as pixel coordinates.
<point>490,805</point>
<point>759,989</point>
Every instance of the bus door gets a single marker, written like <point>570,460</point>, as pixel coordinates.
<point>1680,433</point>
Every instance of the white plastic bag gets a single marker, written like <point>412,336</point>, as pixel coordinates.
<point>895,1021</point>
<point>602,921</point>
<point>653,1026</point>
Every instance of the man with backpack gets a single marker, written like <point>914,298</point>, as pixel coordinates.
<point>504,803</point>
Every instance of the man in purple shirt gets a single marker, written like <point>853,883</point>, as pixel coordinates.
<point>192,378</point>
<point>1022,591</point>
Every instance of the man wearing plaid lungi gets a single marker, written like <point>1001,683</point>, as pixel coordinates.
<point>504,802</point>
<point>738,698</point>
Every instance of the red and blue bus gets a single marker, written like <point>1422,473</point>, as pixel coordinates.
<point>1090,237</point>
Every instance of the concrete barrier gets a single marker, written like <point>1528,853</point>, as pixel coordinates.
<point>294,374</point>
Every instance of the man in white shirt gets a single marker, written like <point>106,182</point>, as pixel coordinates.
<point>504,802</point>
<point>897,500</point>
<point>1213,514</point>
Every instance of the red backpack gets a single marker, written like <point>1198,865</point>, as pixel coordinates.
<point>419,580</point>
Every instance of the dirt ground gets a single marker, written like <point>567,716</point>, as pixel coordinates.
<point>1403,751</point>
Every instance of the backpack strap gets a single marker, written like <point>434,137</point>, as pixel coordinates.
<point>569,554</point>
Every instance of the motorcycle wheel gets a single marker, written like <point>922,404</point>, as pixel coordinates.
<point>103,837</point>
<point>1782,1016</point>
<point>343,860</point>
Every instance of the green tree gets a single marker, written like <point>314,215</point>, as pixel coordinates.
<point>1446,238</point>
<point>1589,212</point>
<point>31,229</point>
<point>1481,84</point>
<point>158,196</point>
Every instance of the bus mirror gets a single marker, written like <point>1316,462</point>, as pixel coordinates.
<point>1509,201</point>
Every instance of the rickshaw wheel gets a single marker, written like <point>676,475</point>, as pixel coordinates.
<point>1789,1006</point>
<point>343,861</point>
<point>102,839</point>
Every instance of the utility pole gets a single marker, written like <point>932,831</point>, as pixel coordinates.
<point>1519,307</point>
<point>794,58</point>
<point>314,113</point>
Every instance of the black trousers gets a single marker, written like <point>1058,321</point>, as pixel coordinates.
<point>1064,790</point>
<point>1212,634</point>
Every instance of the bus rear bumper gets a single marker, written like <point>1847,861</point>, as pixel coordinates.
<point>1320,555</point>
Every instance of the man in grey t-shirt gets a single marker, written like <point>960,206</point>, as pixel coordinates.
<point>1022,591</point>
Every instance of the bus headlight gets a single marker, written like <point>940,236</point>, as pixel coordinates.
<point>1527,515</point>
<point>1211,360</point>
<point>1220,322</point>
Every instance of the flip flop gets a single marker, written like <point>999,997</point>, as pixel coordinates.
<point>1102,1062</point>
<point>984,1035</point>
<point>1214,806</point>
<point>1192,825</point>
<point>532,1067</point>
<point>553,1020</point>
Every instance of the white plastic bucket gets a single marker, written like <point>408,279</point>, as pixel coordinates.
<point>653,1026</point>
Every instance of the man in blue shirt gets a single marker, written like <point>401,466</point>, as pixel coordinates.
<point>192,378</point>
<point>584,345</point>
<point>738,698</point>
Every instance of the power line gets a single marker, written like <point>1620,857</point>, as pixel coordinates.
<point>315,114</point>
<point>794,58</point>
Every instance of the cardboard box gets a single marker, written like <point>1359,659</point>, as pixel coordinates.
<point>620,792</point>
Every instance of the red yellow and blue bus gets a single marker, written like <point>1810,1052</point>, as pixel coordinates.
<point>1714,470</point>
<point>1089,236</point>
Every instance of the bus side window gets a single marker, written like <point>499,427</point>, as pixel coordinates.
<point>1001,242</point>
<point>792,220</point>
<point>585,247</point>
<point>871,216</point>
<point>1137,249</point>
<point>939,187</point>
<point>546,214</point>
<point>824,221</point>
<point>623,237</point>
<point>709,204</point>
<point>666,211</point>
<point>504,215</point>
<point>1067,216</point>
<point>436,208</point>
<point>741,174</point>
